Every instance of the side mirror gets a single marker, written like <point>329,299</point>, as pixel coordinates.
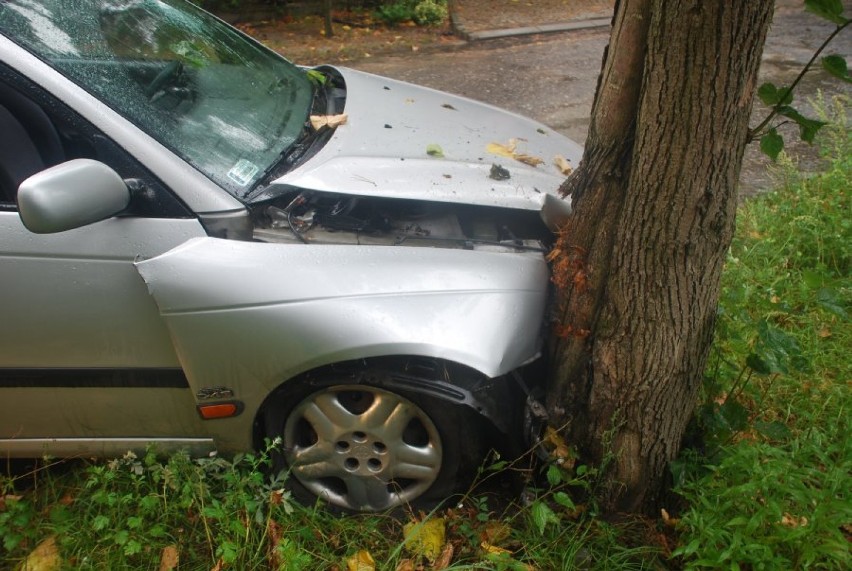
<point>70,195</point>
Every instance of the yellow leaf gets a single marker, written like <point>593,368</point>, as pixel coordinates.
<point>45,557</point>
<point>563,165</point>
<point>330,121</point>
<point>510,151</point>
<point>361,561</point>
<point>503,150</point>
<point>169,558</point>
<point>493,549</point>
<point>528,159</point>
<point>425,538</point>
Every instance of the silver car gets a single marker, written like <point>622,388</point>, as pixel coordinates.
<point>205,247</point>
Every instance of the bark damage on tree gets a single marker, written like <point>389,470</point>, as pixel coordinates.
<point>639,261</point>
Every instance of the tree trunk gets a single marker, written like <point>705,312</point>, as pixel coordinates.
<point>639,261</point>
<point>326,12</point>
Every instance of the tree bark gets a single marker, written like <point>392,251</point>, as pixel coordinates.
<point>639,261</point>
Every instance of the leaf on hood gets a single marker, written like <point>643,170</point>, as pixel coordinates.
<point>503,150</point>
<point>330,121</point>
<point>510,151</point>
<point>169,558</point>
<point>45,557</point>
<point>361,561</point>
<point>425,538</point>
<point>563,165</point>
<point>434,150</point>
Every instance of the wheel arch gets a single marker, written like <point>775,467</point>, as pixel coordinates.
<point>494,400</point>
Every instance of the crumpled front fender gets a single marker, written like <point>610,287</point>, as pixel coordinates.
<point>250,315</point>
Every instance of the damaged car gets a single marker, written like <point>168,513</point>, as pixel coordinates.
<point>206,247</point>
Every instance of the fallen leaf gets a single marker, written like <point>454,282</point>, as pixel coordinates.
<point>510,151</point>
<point>563,165</point>
<point>503,150</point>
<point>444,559</point>
<point>219,565</point>
<point>405,565</point>
<point>361,561</point>
<point>788,520</point>
<point>495,532</point>
<point>824,333</point>
<point>667,519</point>
<point>330,121</point>
<point>528,159</point>
<point>169,558</point>
<point>425,538</point>
<point>273,529</point>
<point>493,549</point>
<point>560,450</point>
<point>45,557</point>
<point>434,150</point>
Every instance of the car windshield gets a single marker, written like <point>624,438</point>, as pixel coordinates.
<point>227,105</point>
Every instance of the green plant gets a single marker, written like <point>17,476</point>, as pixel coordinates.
<point>768,488</point>
<point>396,13</point>
<point>430,12</point>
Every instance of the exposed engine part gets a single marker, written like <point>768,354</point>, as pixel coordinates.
<point>326,218</point>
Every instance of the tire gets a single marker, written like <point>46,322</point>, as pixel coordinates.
<point>368,446</point>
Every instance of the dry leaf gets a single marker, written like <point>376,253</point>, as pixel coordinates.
<point>528,159</point>
<point>788,520</point>
<point>361,561</point>
<point>824,333</point>
<point>503,150</point>
<point>560,450</point>
<point>563,165</point>
<point>425,538</point>
<point>273,529</point>
<point>169,558</point>
<point>495,532</point>
<point>219,565</point>
<point>667,519</point>
<point>444,559</point>
<point>45,557</point>
<point>510,151</point>
<point>493,549</point>
<point>405,565</point>
<point>330,121</point>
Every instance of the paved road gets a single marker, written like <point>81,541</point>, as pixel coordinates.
<point>552,78</point>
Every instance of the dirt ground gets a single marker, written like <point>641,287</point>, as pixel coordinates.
<point>359,35</point>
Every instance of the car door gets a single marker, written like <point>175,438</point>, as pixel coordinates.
<point>84,354</point>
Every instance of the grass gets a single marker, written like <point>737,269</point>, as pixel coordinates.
<point>765,484</point>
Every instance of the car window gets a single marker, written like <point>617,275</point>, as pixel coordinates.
<point>40,131</point>
<point>221,101</point>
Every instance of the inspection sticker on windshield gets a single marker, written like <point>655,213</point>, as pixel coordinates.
<point>243,172</point>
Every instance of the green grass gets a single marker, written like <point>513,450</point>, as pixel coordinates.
<point>772,489</point>
<point>765,485</point>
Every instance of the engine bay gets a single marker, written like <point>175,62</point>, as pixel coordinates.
<point>311,217</point>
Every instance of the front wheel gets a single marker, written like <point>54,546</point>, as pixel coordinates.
<point>370,448</point>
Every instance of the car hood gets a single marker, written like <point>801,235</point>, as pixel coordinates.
<point>405,141</point>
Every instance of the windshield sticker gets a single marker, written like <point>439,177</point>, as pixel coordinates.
<point>243,172</point>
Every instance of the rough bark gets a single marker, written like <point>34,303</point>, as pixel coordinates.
<point>639,261</point>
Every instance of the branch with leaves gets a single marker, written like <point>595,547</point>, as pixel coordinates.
<point>780,99</point>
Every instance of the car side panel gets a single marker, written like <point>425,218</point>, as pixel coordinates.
<point>249,316</point>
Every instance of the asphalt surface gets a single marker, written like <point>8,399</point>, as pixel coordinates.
<point>552,77</point>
